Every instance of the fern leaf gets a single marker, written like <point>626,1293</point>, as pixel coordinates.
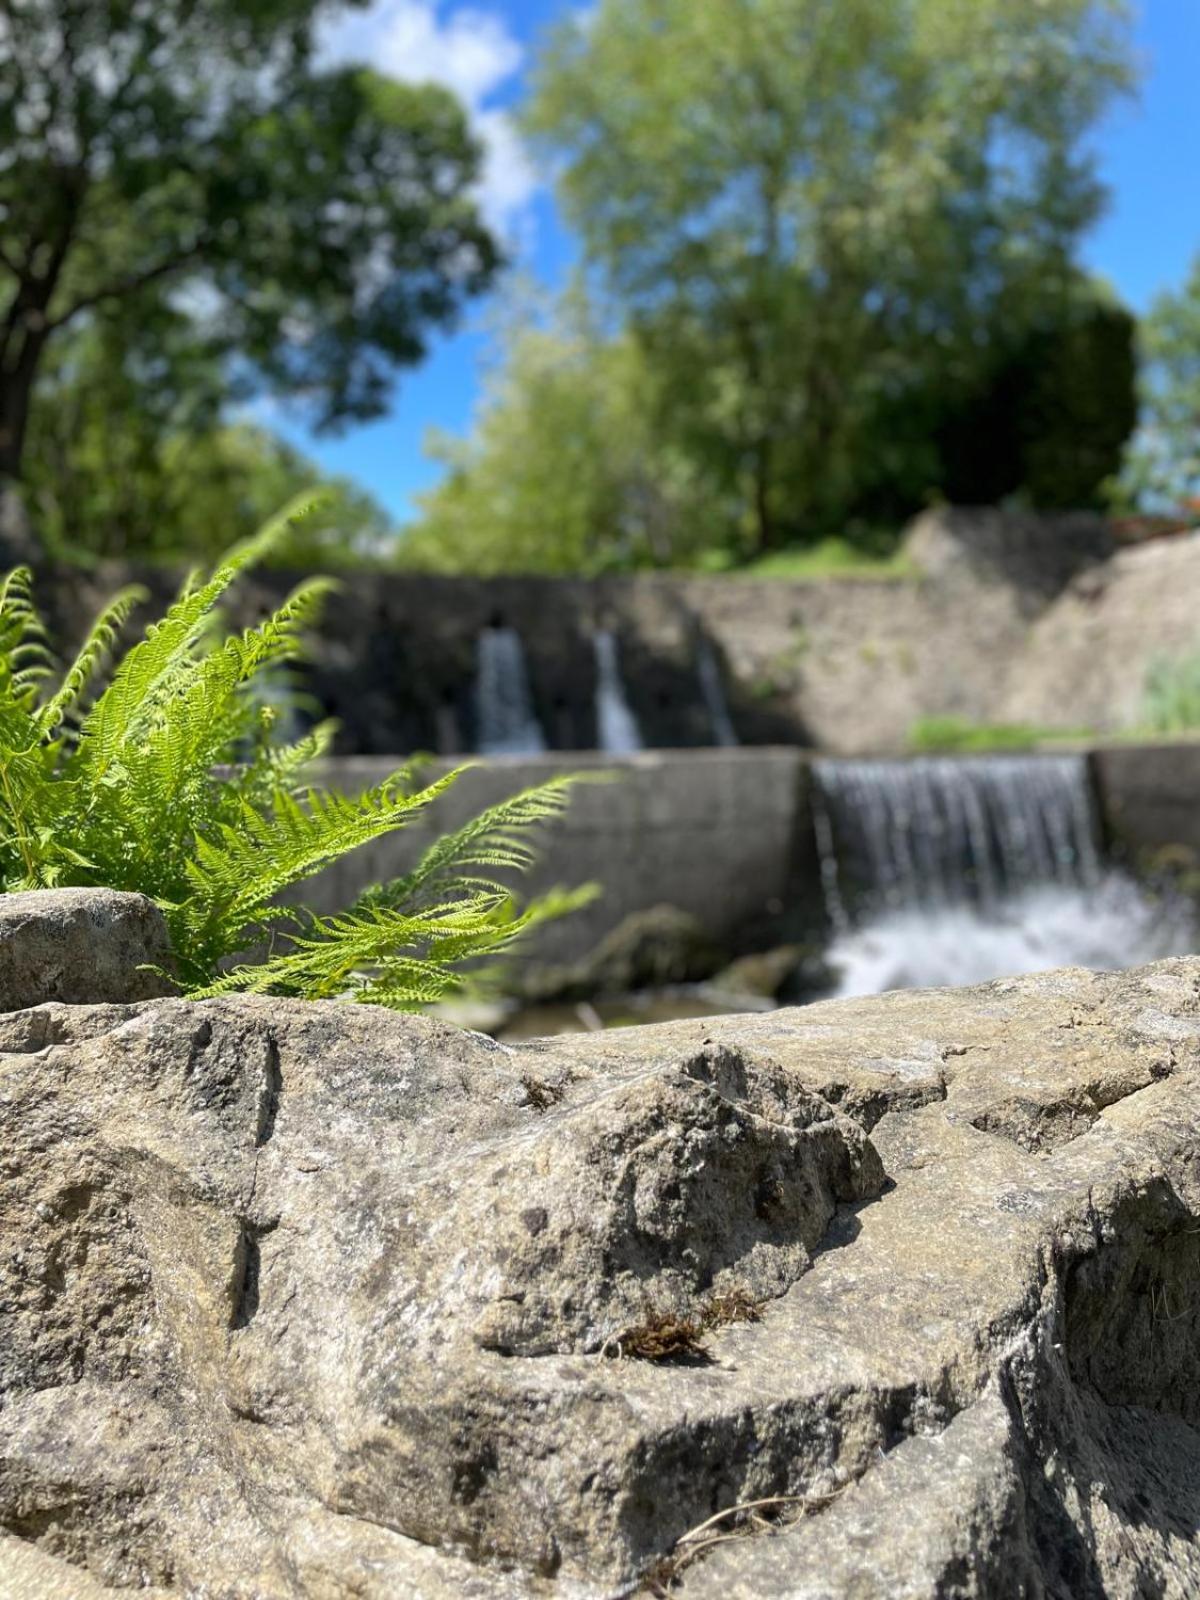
<point>239,873</point>
<point>390,957</point>
<point>283,768</point>
<point>150,672</point>
<point>92,654</point>
<point>497,840</point>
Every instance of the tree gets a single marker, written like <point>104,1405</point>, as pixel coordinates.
<point>1164,468</point>
<point>807,207</point>
<point>314,225</point>
<point>566,470</point>
<point>1051,417</point>
<point>130,453</point>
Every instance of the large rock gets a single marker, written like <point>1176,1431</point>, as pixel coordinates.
<point>323,1301</point>
<point>81,945</point>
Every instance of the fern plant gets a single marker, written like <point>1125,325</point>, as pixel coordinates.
<point>163,774</point>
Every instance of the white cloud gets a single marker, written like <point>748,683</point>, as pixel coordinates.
<point>470,51</point>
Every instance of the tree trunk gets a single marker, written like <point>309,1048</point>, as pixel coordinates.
<point>21,344</point>
<point>763,516</point>
<point>26,327</point>
<point>16,390</point>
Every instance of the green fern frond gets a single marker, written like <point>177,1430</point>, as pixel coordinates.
<point>238,873</point>
<point>149,675</point>
<point>499,839</point>
<point>285,767</point>
<point>178,748</point>
<point>25,660</point>
<point>393,958</point>
<point>19,616</point>
<point>169,782</point>
<point>93,653</point>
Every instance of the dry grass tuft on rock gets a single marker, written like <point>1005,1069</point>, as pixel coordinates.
<point>663,1336</point>
<point>732,1305</point>
<point>749,1518</point>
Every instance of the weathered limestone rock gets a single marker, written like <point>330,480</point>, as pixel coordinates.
<point>322,1301</point>
<point>81,945</point>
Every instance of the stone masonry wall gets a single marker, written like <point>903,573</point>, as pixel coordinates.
<point>1003,617</point>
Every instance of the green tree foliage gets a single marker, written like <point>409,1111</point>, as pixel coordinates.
<point>316,224</point>
<point>129,454</point>
<point>166,779</point>
<point>1164,469</point>
<point>566,470</point>
<point>811,211</point>
<point>1051,415</point>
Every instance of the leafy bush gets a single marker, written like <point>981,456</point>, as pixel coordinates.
<point>168,780</point>
<point>1172,697</point>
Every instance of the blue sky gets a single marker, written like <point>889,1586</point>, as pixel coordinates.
<point>1149,153</point>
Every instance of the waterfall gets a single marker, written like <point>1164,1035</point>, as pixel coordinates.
<point>955,870</point>
<point>506,721</point>
<point>947,830</point>
<point>616,725</point>
<point>708,670</point>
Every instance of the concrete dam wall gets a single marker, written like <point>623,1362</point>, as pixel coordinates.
<point>733,838</point>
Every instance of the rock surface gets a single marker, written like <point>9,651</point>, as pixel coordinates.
<point>81,945</point>
<point>311,1300</point>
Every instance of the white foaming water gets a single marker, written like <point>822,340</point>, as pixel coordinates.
<point>943,871</point>
<point>508,724</point>
<point>616,726</point>
<point>1107,926</point>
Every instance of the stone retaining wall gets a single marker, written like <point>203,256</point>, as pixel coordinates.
<point>1000,617</point>
<point>1150,798</point>
<point>725,835</point>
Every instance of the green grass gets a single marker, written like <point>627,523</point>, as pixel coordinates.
<point>830,558</point>
<point>959,735</point>
<point>1171,703</point>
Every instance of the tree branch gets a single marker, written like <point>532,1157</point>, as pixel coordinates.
<point>119,288</point>
<point>7,261</point>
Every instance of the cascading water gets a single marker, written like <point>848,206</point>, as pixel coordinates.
<point>616,726</point>
<point>506,721</point>
<point>708,670</point>
<point>949,871</point>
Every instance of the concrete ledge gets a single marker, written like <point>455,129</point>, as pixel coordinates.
<point>726,835</point>
<point>1149,795</point>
